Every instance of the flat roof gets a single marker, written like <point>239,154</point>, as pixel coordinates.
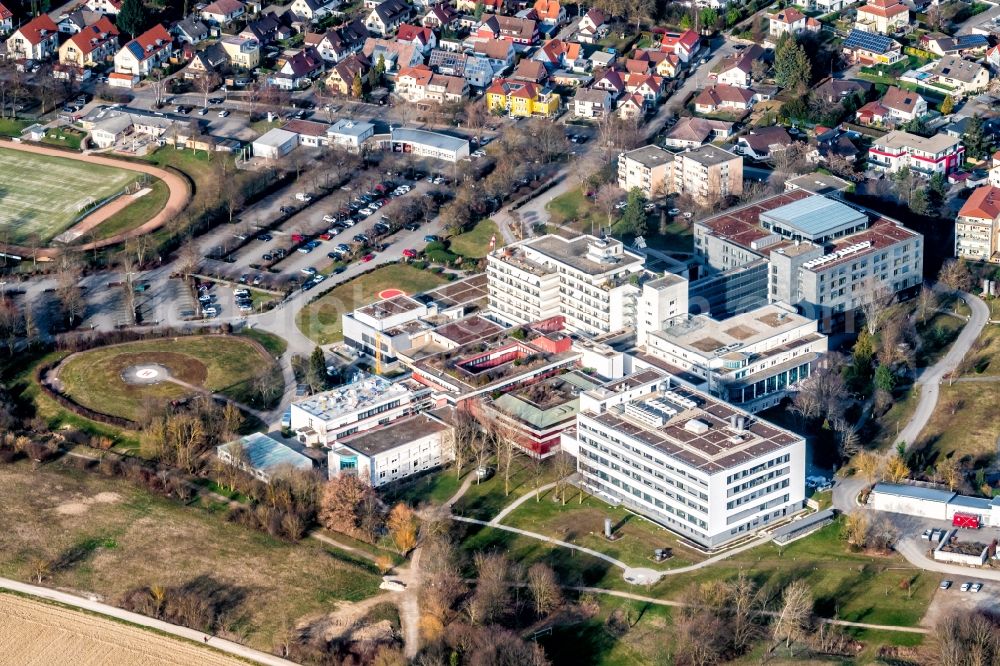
<point>275,138</point>
<point>707,337</point>
<point>818,183</point>
<point>699,432</point>
<point>933,144</point>
<point>433,139</point>
<point>266,453</point>
<point>389,307</point>
<point>815,215</point>
<point>709,155</point>
<point>349,127</point>
<point>574,252</point>
<point>467,330</point>
<point>395,434</point>
<point>915,492</point>
<point>364,391</point>
<point>650,156</point>
<point>470,291</point>
<point>549,402</point>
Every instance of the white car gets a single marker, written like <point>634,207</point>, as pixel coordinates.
<point>223,113</point>
<point>309,270</point>
<point>965,587</point>
<point>302,196</point>
<point>674,212</point>
<point>366,211</point>
<point>329,219</point>
<point>621,205</point>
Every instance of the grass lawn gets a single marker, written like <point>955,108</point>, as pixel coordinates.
<point>485,499</point>
<point>988,356</point>
<point>321,319</point>
<point>274,344</point>
<point>64,138</point>
<point>574,209</point>
<point>474,243</point>
<point>583,524</point>
<point>140,211</point>
<point>436,487</point>
<point>108,537</point>
<point>964,423</point>
<point>12,127</point>
<point>229,366</point>
<point>679,237</point>
<point>851,586</point>
<point>42,196</point>
<point>589,643</point>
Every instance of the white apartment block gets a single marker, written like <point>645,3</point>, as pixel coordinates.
<point>405,447</point>
<point>365,403</point>
<point>592,282</point>
<point>706,173</point>
<point>977,227</point>
<point>940,153</point>
<point>699,467</point>
<point>824,256</point>
<point>752,360</point>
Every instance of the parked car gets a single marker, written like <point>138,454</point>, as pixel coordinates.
<point>945,584</point>
<point>303,196</point>
<point>367,258</point>
<point>265,237</point>
<point>224,113</point>
<point>409,253</point>
<point>965,587</point>
<point>431,238</point>
<point>412,226</point>
<point>309,270</point>
<point>976,587</point>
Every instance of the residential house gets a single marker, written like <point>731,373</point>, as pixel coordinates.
<point>222,12</point>
<point>691,132</point>
<point>723,98</point>
<point>313,11</point>
<point>419,84</point>
<point>873,113</point>
<point>962,76</point>
<point>422,38</point>
<point>440,16</point>
<point>592,27</point>
<point>883,16</point>
<point>868,48</point>
<point>521,99</point>
<point>790,21</point>
<point>520,31</point>
<point>69,24</point>
<point>478,70</point>
<point>266,29</point>
<point>763,142</point>
<point>91,46</point>
<point>611,81</point>
<point>396,55</point>
<point>684,45</point>
<point>145,53</point>
<point>926,155</point>
<point>189,31</point>
<point>647,86</point>
<point>600,60</point>
<point>592,103</point>
<point>664,64</point>
<point>735,70</point>
<point>111,7</point>
<point>211,59</point>
<point>550,12</point>
<point>963,45</point>
<point>835,91</point>
<point>387,16</point>
<point>489,6</point>
<point>530,70</point>
<point>6,20</point>
<point>343,74</point>
<point>832,143</point>
<point>903,105</point>
<point>335,45</point>
<point>242,52</point>
<point>993,57</point>
<point>38,39</point>
<point>977,227</point>
<point>298,70</point>
<point>556,54</point>
<point>499,52</point>
<point>632,107</point>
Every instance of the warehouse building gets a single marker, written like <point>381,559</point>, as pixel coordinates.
<point>934,503</point>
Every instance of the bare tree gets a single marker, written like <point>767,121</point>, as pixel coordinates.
<point>68,289</point>
<point>466,430</point>
<point>795,616</point>
<point>563,466</point>
<point>607,198</point>
<point>927,302</point>
<point>955,275</point>
<point>876,304</point>
<point>501,438</point>
<point>544,587</point>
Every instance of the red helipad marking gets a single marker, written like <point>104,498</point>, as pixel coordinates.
<point>389,293</point>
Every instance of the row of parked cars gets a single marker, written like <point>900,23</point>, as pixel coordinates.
<point>967,586</point>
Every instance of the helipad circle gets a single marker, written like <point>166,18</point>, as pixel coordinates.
<point>390,293</point>
<point>145,373</point>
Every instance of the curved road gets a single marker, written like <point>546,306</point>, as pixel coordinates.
<point>143,621</point>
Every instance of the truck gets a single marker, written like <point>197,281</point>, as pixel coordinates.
<point>965,520</point>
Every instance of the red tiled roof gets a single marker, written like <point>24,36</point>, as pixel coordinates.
<point>548,9</point>
<point>38,29</point>
<point>153,40</point>
<point>718,95</point>
<point>884,8</point>
<point>900,100</point>
<point>789,16</point>
<point>410,33</point>
<point>94,35</point>
<point>5,13</point>
<point>984,203</point>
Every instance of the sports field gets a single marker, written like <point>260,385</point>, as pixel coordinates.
<point>42,196</point>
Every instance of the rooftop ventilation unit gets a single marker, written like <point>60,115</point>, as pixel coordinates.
<point>696,426</point>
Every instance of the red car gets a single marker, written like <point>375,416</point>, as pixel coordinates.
<point>409,253</point>
<point>367,258</point>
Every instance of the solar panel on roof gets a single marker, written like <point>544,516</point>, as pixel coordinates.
<point>869,41</point>
<point>136,50</point>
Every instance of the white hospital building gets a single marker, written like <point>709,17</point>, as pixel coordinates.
<point>698,466</point>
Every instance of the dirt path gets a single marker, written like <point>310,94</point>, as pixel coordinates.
<point>61,635</point>
<point>180,195</point>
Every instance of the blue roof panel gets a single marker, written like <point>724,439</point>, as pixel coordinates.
<point>869,41</point>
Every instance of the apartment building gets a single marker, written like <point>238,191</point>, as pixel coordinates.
<point>706,173</point>
<point>704,469</point>
<point>420,84</point>
<point>977,227</point>
<point>940,153</point>
<point>521,99</point>
<point>364,403</point>
<point>752,360</point>
<point>409,446</point>
<point>824,256</point>
<point>591,281</point>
